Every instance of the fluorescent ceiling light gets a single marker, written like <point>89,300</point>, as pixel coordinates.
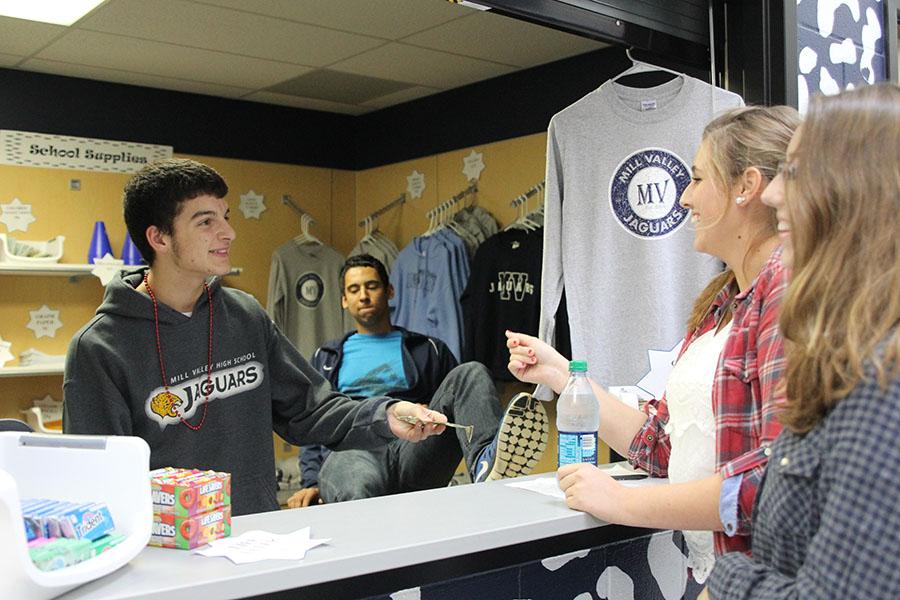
<point>474,5</point>
<point>58,12</point>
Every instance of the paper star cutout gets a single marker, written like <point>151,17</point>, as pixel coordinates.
<point>48,401</point>
<point>415,184</point>
<point>661,362</point>
<point>252,205</point>
<point>5,354</point>
<point>258,545</point>
<point>106,268</point>
<point>16,216</point>
<point>44,322</point>
<point>473,165</point>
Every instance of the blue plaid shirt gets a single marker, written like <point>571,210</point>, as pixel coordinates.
<point>827,520</point>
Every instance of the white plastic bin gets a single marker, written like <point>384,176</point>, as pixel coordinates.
<point>52,247</point>
<point>78,468</point>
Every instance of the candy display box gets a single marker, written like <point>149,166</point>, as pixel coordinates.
<point>53,249</point>
<point>114,470</point>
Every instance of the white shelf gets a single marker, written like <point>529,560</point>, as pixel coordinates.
<point>31,371</point>
<point>56,269</point>
<point>64,269</point>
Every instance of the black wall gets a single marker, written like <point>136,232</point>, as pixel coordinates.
<point>192,123</point>
<point>504,107</point>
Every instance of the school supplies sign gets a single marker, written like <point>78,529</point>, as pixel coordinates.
<point>29,149</point>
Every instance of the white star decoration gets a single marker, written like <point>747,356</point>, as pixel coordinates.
<point>5,354</point>
<point>16,216</point>
<point>44,322</point>
<point>252,205</point>
<point>106,268</point>
<point>661,361</point>
<point>415,184</point>
<point>473,165</point>
<point>257,545</point>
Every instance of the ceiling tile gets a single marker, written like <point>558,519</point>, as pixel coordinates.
<point>421,66</point>
<point>504,40</point>
<point>388,19</point>
<point>167,60</point>
<point>336,86</point>
<point>226,30</point>
<point>9,60</point>
<point>18,36</point>
<point>310,103</point>
<point>401,97</point>
<point>100,74</point>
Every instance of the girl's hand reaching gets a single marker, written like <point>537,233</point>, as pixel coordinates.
<point>534,361</point>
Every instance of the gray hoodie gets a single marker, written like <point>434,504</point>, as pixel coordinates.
<point>260,383</point>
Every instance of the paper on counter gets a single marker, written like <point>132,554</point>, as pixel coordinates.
<point>256,545</point>
<point>543,485</point>
<point>549,486</point>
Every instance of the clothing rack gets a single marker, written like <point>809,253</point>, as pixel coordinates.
<point>390,205</point>
<point>443,206</point>
<point>286,199</point>
<point>524,197</point>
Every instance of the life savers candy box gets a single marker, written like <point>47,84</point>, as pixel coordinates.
<point>186,492</point>
<point>172,531</point>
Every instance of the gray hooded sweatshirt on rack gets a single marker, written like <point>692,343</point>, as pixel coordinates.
<point>259,384</point>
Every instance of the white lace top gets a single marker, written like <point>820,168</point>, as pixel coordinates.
<point>692,431</point>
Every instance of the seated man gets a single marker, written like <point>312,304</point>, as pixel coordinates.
<point>380,359</point>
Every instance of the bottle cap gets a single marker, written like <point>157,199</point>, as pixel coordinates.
<point>577,366</point>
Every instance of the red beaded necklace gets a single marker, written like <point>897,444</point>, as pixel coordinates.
<point>162,366</point>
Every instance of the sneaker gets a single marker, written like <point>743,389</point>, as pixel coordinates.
<point>519,443</point>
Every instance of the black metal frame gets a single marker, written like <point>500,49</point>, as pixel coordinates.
<point>751,45</point>
<point>892,27</point>
<point>791,67</point>
<point>589,19</point>
<point>749,42</point>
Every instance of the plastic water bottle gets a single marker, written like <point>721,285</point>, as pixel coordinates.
<point>577,418</point>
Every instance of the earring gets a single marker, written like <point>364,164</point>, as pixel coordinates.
<point>740,200</point>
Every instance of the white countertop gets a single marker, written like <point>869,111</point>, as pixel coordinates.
<point>368,536</point>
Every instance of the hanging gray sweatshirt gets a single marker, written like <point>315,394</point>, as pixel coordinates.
<point>615,235</point>
<point>260,383</point>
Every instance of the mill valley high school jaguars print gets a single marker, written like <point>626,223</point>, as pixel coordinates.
<point>645,190</point>
<point>187,392</point>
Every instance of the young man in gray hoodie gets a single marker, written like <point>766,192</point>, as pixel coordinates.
<point>199,370</point>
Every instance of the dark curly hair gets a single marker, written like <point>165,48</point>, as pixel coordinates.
<point>155,194</point>
<point>365,260</point>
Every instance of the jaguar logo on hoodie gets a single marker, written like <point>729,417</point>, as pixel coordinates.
<point>169,407</point>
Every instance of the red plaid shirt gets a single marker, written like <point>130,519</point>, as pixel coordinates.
<point>743,397</point>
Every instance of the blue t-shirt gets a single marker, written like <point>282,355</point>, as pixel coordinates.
<point>372,365</point>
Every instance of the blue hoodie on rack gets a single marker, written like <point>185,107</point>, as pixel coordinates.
<point>429,277</point>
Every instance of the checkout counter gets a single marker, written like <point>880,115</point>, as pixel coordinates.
<point>466,542</point>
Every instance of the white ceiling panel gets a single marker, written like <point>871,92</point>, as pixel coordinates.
<point>167,60</point>
<point>241,48</point>
<point>18,36</point>
<point>226,30</point>
<point>142,79</point>
<point>421,66</point>
<point>310,103</point>
<point>400,97</point>
<point>388,19</point>
<point>501,39</point>
<point>9,60</point>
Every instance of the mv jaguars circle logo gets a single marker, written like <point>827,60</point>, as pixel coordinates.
<point>644,193</point>
<point>309,290</point>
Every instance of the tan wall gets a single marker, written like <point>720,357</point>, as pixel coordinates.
<point>337,200</point>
